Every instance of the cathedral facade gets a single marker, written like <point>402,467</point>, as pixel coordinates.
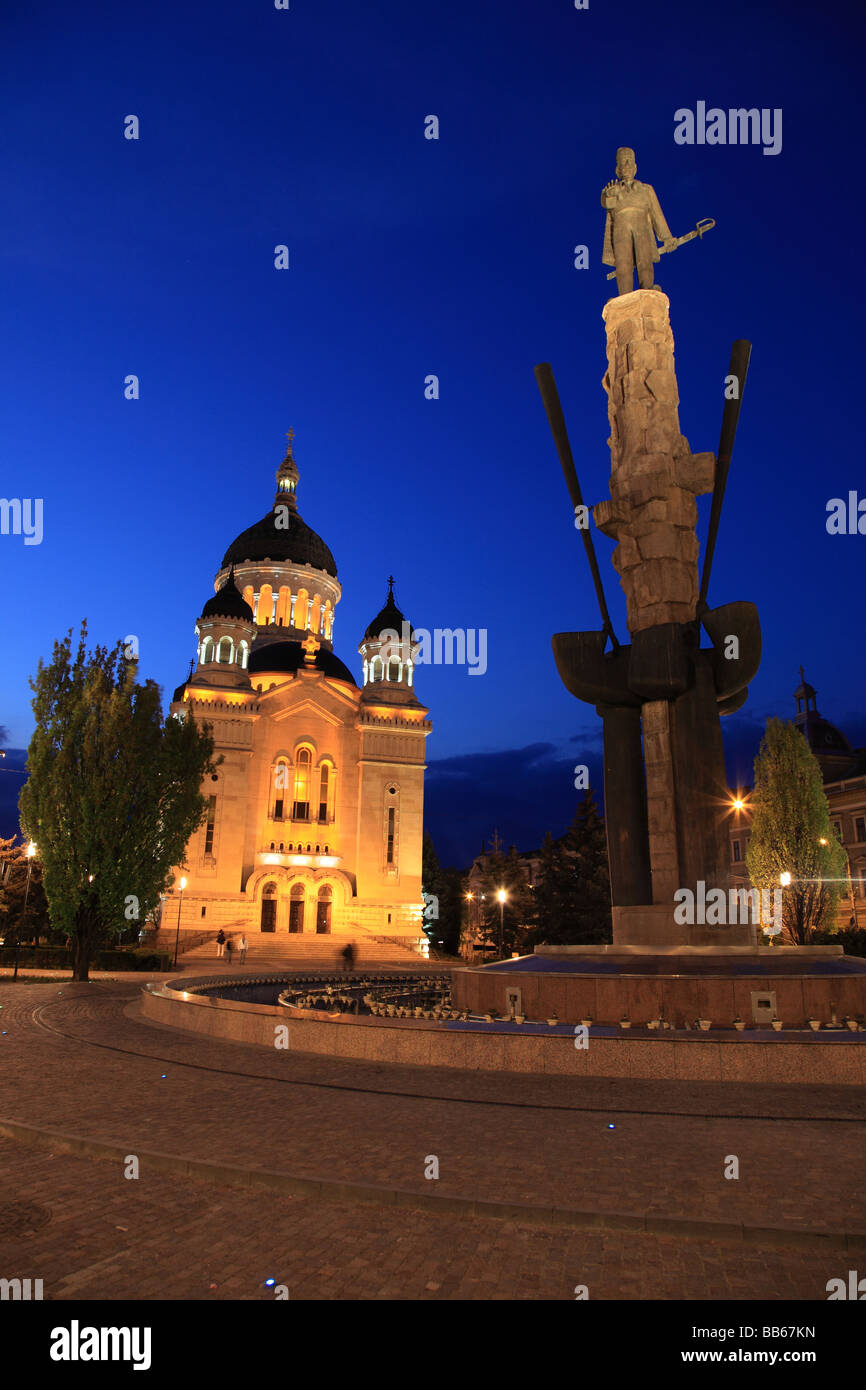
<point>314,819</point>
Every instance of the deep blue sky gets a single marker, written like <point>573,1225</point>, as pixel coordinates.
<point>409,257</point>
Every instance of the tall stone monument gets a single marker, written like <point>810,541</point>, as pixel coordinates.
<point>660,697</point>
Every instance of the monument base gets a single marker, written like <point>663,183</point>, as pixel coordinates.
<point>654,925</point>
<point>721,985</point>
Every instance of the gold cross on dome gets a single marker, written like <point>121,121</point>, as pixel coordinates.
<point>310,646</point>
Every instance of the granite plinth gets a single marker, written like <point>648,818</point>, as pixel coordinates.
<point>609,984</point>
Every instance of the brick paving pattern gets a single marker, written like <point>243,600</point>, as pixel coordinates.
<point>540,1140</point>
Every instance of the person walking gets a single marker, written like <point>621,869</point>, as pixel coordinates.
<point>349,957</point>
<point>242,948</point>
<point>230,946</point>
<point>221,942</point>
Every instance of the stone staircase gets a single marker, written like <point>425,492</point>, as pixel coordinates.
<point>268,951</point>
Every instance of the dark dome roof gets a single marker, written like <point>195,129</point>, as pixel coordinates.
<point>297,544</point>
<point>228,602</point>
<point>388,617</point>
<point>824,737</point>
<point>290,656</point>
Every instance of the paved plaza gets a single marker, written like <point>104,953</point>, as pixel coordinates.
<point>78,1060</point>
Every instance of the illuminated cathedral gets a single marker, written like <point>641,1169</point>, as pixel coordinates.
<point>314,814</point>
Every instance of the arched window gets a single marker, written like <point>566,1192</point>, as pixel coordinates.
<point>280,780</point>
<point>226,651</point>
<point>303,768</point>
<point>243,654</point>
<point>394,669</point>
<point>366,671</point>
<point>299,612</point>
<point>249,595</point>
<point>296,908</point>
<point>328,620</point>
<point>284,603</point>
<point>265,611</point>
<point>269,906</point>
<point>323,909</point>
<point>327,778</point>
<point>207,650</point>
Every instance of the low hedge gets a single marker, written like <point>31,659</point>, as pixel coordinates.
<point>109,958</point>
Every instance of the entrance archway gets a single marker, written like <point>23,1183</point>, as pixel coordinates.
<point>323,910</point>
<point>296,908</point>
<point>269,907</point>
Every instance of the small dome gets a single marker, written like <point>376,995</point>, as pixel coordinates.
<point>228,602</point>
<point>389,618</point>
<point>290,656</point>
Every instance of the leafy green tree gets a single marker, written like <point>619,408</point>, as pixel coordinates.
<point>113,793</point>
<point>792,834</point>
<point>572,897</point>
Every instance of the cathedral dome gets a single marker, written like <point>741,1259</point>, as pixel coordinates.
<point>228,602</point>
<point>298,544</point>
<point>282,535</point>
<point>290,656</point>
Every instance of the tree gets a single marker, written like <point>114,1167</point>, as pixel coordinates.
<point>14,926</point>
<point>792,834</point>
<point>113,793</point>
<point>572,897</point>
<point>441,890</point>
<point>508,872</point>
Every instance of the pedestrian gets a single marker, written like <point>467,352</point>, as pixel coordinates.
<point>230,946</point>
<point>221,942</point>
<point>349,956</point>
<point>242,947</point>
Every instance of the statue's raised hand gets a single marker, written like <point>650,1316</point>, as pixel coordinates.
<point>611,192</point>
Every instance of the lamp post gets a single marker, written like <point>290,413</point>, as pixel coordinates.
<point>501,896</point>
<point>31,850</point>
<point>179,910</point>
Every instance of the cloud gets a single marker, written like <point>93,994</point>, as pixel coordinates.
<point>520,792</point>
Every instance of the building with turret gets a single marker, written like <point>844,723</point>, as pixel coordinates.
<point>314,820</point>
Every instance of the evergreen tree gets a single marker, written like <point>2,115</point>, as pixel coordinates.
<point>505,872</point>
<point>792,834</point>
<point>113,793</point>
<point>14,866</point>
<point>573,893</point>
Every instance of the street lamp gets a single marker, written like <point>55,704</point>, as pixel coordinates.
<point>179,910</point>
<point>785,879</point>
<point>501,897</point>
<point>31,851</point>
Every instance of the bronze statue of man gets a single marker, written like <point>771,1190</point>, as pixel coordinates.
<point>634,220</point>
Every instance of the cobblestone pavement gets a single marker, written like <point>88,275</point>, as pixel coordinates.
<point>540,1140</point>
<point>108,1238</point>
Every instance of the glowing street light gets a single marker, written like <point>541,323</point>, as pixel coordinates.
<point>501,897</point>
<point>785,879</point>
<point>30,852</point>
